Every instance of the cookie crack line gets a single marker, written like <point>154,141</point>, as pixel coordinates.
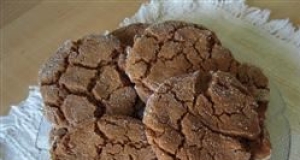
<point>66,64</point>
<point>233,133</point>
<point>90,97</point>
<point>156,124</point>
<point>179,124</point>
<point>76,71</point>
<point>102,145</point>
<point>203,123</point>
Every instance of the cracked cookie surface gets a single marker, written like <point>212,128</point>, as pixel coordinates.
<point>173,48</point>
<point>109,138</point>
<point>202,115</point>
<point>170,49</point>
<point>82,80</point>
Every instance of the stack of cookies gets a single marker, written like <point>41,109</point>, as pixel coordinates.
<point>165,91</point>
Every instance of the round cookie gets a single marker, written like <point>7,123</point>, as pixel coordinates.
<point>202,116</point>
<point>170,49</point>
<point>82,80</point>
<point>109,138</point>
<point>127,33</point>
<point>173,48</point>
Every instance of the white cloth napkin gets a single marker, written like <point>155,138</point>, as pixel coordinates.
<point>246,31</point>
<point>24,131</point>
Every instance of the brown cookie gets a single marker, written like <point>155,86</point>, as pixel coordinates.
<point>82,80</point>
<point>173,48</point>
<point>109,138</point>
<point>202,116</point>
<point>127,33</point>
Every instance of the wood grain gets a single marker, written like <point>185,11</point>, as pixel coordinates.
<point>12,9</point>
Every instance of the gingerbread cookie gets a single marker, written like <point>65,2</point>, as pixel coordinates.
<point>109,138</point>
<point>202,116</point>
<point>82,80</point>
